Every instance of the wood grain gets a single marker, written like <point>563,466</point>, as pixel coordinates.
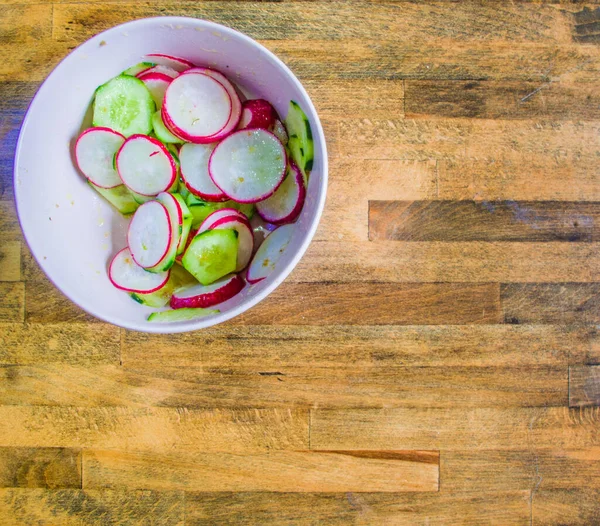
<point>51,468</point>
<point>9,224</point>
<point>576,506</point>
<point>60,343</point>
<point>513,221</point>
<point>181,429</point>
<point>305,471</point>
<point>247,387</point>
<point>12,306</point>
<point>477,429</point>
<point>361,346</point>
<point>356,508</point>
<point>76,507</point>
<point>10,261</point>
<point>551,303</point>
<point>584,385</point>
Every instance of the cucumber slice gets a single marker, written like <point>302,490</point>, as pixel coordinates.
<point>300,140</point>
<point>138,68</point>
<point>211,255</point>
<point>119,196</point>
<point>186,225</point>
<point>201,209</point>
<point>161,132</point>
<point>124,104</point>
<point>169,316</point>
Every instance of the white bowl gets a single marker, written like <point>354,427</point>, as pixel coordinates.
<point>73,232</point>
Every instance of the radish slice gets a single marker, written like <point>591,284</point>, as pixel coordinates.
<point>245,238</point>
<point>280,132</point>
<point>236,103</point>
<point>248,166</point>
<point>95,153</point>
<point>207,295</point>
<point>146,166</point>
<point>157,84</point>
<point>257,113</point>
<point>218,215</point>
<point>163,70</point>
<point>269,253</point>
<point>196,107</point>
<point>194,171</point>
<point>125,274</point>
<point>286,203</point>
<point>150,234</point>
<point>177,63</point>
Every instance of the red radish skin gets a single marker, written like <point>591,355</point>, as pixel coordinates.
<point>157,84</point>
<point>257,113</point>
<point>99,128</point>
<point>138,291</point>
<point>168,245</point>
<point>191,236</point>
<point>207,197</point>
<point>217,215</point>
<point>181,133</point>
<point>228,290</point>
<point>162,148</point>
<point>267,215</point>
<point>160,70</point>
<point>177,63</point>
<point>155,76</point>
<point>254,199</point>
<point>189,161</point>
<point>245,238</point>
<point>167,195</point>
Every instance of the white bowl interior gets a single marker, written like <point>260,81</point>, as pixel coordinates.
<point>72,232</point>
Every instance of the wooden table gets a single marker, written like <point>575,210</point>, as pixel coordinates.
<point>434,357</point>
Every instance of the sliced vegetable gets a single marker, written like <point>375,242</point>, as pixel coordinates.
<point>194,171</point>
<point>125,274</point>
<point>249,165</point>
<point>211,255</point>
<point>161,131</point>
<point>157,84</point>
<point>269,253</point>
<point>280,132</point>
<point>196,107</point>
<point>201,209</point>
<point>257,113</point>
<point>300,138</point>
<point>175,211</point>
<point>119,196</point>
<point>170,316</point>
<point>187,223</point>
<point>162,70</point>
<point>245,238</point>
<point>207,295</point>
<point>95,151</point>
<point>217,215</point>
<point>125,105</point>
<point>176,63</point>
<point>146,166</point>
<point>285,204</point>
<point>138,68</point>
<point>150,236</point>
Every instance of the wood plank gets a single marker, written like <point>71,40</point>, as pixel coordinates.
<point>46,304</point>
<point>360,346</point>
<point>60,343</point>
<point>584,385</point>
<point>551,303</point>
<point>156,429</point>
<point>277,471</point>
<point>574,506</point>
<point>500,99</point>
<point>199,387</point>
<point>72,507</point>
<point>12,306</point>
<point>10,229</point>
<point>50,467</point>
<point>376,304</point>
<point>512,221</point>
<point>569,468</point>
<point>508,508</point>
<point>25,24</point>
<point>10,261</point>
<point>454,429</point>
<point>455,262</point>
<point>338,20</point>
